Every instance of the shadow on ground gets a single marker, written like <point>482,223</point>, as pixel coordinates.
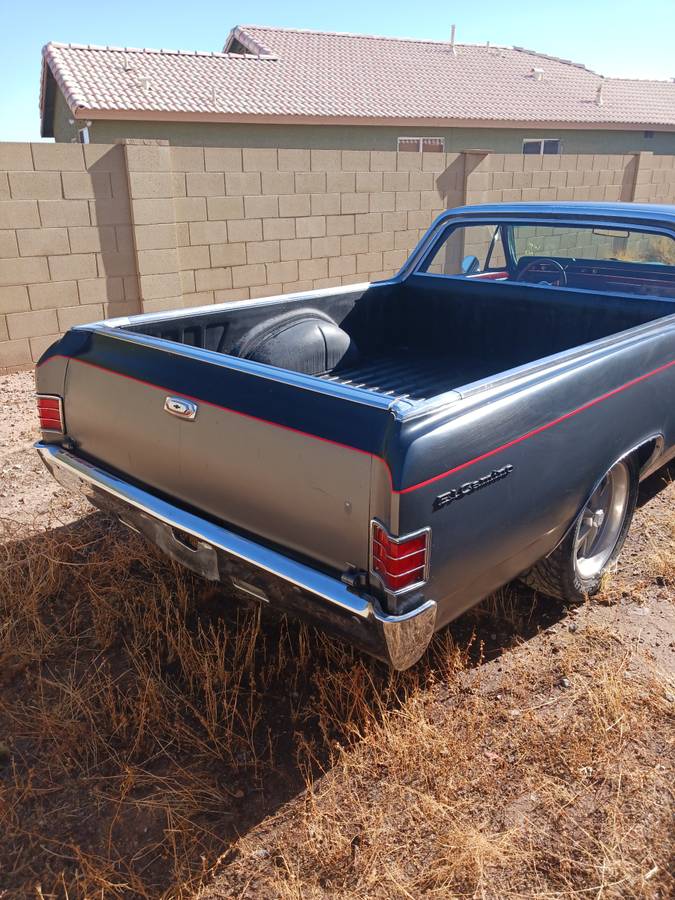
<point>147,719</point>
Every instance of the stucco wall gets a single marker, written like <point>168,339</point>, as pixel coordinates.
<point>331,137</point>
<point>498,140</point>
<point>64,132</point>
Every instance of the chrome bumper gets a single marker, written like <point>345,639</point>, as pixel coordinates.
<point>222,555</point>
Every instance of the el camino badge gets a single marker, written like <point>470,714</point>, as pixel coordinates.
<point>179,406</point>
<point>470,487</point>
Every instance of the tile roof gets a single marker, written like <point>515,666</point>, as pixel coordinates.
<point>275,74</point>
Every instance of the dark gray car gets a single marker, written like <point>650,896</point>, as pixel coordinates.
<point>379,457</point>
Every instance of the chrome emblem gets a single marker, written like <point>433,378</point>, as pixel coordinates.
<point>469,487</point>
<point>179,406</point>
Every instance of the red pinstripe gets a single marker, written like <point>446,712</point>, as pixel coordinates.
<point>428,481</point>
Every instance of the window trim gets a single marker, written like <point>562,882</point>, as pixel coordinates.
<point>420,139</point>
<point>83,135</point>
<point>534,140</point>
<point>414,265</point>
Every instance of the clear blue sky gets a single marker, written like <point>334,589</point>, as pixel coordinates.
<point>631,38</point>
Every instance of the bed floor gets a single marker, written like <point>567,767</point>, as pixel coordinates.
<point>409,376</point>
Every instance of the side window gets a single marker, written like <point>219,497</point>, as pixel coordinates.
<point>542,147</point>
<point>468,250</point>
<point>420,145</point>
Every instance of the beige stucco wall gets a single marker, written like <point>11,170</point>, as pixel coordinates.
<point>498,140</point>
<point>95,231</point>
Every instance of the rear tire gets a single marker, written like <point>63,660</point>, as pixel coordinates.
<point>574,570</point>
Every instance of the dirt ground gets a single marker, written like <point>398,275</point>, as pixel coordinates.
<point>25,494</point>
<point>157,739</point>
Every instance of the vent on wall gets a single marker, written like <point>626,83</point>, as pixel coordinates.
<point>420,145</point>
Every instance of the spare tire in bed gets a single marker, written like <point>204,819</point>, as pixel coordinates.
<point>306,341</point>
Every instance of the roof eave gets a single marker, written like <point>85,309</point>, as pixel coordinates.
<point>51,81</point>
<point>382,121</point>
<point>46,125</point>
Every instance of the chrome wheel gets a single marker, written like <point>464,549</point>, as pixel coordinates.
<point>599,527</point>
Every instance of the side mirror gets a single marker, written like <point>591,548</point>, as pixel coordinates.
<point>470,265</point>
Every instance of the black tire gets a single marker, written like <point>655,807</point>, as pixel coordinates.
<point>557,575</point>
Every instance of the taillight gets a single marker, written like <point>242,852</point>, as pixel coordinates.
<point>400,562</point>
<point>50,413</point>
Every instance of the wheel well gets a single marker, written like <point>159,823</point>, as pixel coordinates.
<point>642,455</point>
<point>645,452</point>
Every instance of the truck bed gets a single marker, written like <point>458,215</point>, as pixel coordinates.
<point>418,339</point>
<point>407,375</point>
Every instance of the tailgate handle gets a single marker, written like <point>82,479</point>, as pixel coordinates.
<point>179,406</point>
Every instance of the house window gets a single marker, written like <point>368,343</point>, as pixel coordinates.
<point>649,134</point>
<point>83,135</point>
<point>543,147</point>
<point>421,145</point>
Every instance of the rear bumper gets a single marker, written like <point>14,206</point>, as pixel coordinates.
<point>222,555</point>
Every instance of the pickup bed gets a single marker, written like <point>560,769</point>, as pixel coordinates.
<point>379,457</point>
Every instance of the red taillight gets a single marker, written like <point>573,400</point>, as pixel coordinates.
<point>400,562</point>
<point>50,413</point>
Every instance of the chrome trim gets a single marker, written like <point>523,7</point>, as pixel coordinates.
<point>654,461</point>
<point>399,540</point>
<point>603,518</point>
<point>181,407</point>
<point>185,312</point>
<point>61,414</point>
<point>260,370</point>
<point>533,373</point>
<point>250,590</point>
<point>481,216</point>
<point>60,460</point>
<point>400,640</point>
<point>620,214</point>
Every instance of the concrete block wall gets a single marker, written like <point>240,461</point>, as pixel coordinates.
<point>95,231</point>
<point>66,246</point>
<point>507,178</point>
<point>252,223</point>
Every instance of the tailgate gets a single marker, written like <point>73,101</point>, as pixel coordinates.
<point>277,455</point>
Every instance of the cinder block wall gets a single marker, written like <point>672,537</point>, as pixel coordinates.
<point>66,246</point>
<point>251,223</point>
<point>95,231</point>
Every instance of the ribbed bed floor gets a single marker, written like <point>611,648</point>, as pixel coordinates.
<point>411,377</point>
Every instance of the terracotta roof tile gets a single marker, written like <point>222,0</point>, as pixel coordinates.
<point>293,74</point>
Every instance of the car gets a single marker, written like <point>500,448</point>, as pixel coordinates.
<point>378,458</point>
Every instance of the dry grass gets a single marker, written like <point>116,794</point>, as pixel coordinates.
<point>487,794</point>
<point>149,728</point>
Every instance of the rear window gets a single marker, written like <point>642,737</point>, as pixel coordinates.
<point>584,257</point>
<point>609,244</point>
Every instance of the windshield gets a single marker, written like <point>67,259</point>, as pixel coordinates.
<point>585,257</point>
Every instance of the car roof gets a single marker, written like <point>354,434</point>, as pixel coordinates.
<point>643,213</point>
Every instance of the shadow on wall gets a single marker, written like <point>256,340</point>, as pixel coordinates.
<point>111,213</point>
<point>628,182</point>
<point>450,184</point>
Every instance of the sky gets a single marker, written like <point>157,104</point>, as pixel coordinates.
<point>613,37</point>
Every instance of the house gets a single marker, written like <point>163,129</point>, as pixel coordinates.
<point>288,88</point>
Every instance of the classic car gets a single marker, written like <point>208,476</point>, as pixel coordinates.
<point>379,457</point>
